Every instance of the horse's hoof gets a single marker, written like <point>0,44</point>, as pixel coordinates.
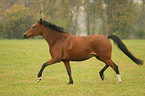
<point>119,82</point>
<point>70,83</point>
<point>38,79</point>
<point>102,77</point>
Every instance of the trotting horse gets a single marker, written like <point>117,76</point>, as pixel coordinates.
<point>66,47</point>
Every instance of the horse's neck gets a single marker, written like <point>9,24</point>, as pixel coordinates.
<point>52,36</point>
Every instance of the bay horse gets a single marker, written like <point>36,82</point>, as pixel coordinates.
<point>66,47</point>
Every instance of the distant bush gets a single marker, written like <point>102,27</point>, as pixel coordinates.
<point>17,20</point>
<point>140,34</point>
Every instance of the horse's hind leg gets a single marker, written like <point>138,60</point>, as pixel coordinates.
<point>102,71</point>
<point>115,68</point>
<point>117,73</point>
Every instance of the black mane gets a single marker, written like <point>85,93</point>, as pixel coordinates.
<point>53,26</point>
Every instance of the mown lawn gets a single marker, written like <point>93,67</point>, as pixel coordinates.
<point>20,61</point>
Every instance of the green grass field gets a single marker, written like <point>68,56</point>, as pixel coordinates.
<point>20,61</point>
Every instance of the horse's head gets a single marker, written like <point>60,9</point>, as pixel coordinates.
<point>34,30</point>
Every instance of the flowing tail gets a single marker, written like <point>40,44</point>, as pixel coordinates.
<point>124,49</point>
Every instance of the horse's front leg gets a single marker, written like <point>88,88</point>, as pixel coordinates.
<point>50,62</point>
<point>68,68</point>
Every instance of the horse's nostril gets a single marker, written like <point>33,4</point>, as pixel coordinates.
<point>25,36</point>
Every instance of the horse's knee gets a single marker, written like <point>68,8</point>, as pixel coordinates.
<point>44,65</point>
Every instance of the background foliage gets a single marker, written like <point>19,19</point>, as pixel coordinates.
<point>125,18</point>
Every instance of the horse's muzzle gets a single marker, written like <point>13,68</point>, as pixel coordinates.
<point>25,36</point>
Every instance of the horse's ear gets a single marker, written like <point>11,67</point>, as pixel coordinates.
<point>40,21</point>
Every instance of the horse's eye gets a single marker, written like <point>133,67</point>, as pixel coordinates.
<point>34,27</point>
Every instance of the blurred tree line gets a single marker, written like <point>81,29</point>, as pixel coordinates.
<point>125,18</point>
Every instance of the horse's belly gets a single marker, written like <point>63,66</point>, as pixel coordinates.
<point>79,55</point>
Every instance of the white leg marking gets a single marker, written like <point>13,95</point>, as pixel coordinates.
<point>38,79</point>
<point>119,78</point>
